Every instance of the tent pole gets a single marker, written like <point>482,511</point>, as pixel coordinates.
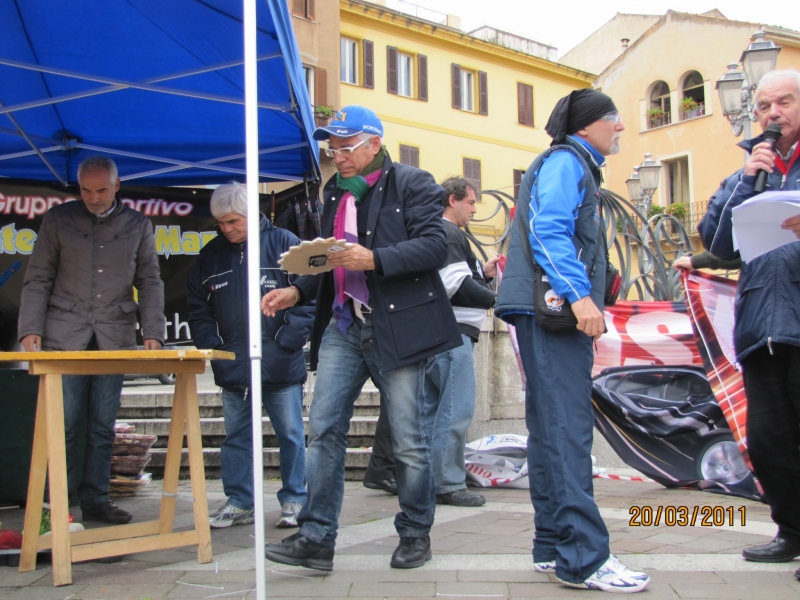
<point>253,283</point>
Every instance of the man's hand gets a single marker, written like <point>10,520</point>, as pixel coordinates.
<point>792,223</point>
<point>151,344</point>
<point>684,263</point>
<point>277,300</point>
<point>490,268</point>
<point>355,258</point>
<point>32,343</point>
<point>762,157</point>
<point>590,320</point>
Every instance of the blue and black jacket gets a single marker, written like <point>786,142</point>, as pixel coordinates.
<point>216,291</point>
<point>560,206</point>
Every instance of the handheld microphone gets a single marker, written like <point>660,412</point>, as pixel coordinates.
<point>771,134</point>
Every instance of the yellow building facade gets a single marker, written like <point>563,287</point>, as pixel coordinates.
<point>451,103</point>
<point>680,55</point>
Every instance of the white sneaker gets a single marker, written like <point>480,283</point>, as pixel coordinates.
<point>615,577</point>
<point>289,513</point>
<point>230,515</point>
<point>545,567</point>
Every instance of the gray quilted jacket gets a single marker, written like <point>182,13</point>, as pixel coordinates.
<point>80,280</point>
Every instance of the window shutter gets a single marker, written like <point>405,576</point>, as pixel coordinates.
<point>369,64</point>
<point>404,152</point>
<point>413,156</point>
<point>310,10</point>
<point>472,173</point>
<point>518,173</point>
<point>483,93</point>
<point>320,87</point>
<point>391,69</point>
<point>299,8</point>
<point>456,71</point>
<point>422,77</point>
<point>525,104</point>
<point>529,104</point>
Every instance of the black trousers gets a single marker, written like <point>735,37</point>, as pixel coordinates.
<point>381,462</point>
<point>772,385</point>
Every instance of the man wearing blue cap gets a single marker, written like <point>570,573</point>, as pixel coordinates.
<point>381,313</point>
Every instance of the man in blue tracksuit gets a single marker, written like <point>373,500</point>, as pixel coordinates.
<point>217,295</point>
<point>767,319</point>
<point>557,225</point>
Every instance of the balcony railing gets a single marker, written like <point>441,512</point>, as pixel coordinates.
<point>693,114</point>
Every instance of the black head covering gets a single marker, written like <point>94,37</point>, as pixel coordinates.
<point>576,111</point>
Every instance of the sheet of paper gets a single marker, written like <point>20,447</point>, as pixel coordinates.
<point>757,223</point>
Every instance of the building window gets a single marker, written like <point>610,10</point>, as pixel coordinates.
<point>406,74</point>
<point>409,155</point>
<point>518,175</point>
<point>525,104</point>
<point>357,62</point>
<point>678,181</point>
<point>308,74</point>
<point>303,8</point>
<point>470,90</point>
<point>350,61</point>
<point>472,173</point>
<point>660,111</point>
<point>693,101</point>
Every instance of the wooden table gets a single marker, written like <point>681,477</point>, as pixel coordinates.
<point>49,455</point>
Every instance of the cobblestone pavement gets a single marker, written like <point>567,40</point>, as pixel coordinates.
<point>477,553</point>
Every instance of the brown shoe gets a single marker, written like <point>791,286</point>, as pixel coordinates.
<point>107,513</point>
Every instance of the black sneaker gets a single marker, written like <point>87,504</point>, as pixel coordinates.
<point>387,485</point>
<point>461,498</point>
<point>107,513</point>
<point>299,551</point>
<point>411,553</point>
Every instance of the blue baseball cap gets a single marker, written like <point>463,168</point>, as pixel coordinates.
<point>350,121</point>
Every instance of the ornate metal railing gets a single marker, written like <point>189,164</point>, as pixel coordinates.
<point>643,249</point>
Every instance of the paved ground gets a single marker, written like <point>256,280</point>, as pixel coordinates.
<point>478,553</point>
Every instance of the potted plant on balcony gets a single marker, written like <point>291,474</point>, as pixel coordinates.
<point>655,116</point>
<point>679,211</point>
<point>689,108</point>
<point>323,114</point>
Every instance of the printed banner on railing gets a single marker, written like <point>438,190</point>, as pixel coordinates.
<point>711,300</point>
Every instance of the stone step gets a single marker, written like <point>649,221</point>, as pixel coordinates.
<point>356,462</point>
<point>361,433</point>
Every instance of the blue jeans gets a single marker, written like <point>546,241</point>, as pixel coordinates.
<point>98,398</point>
<point>559,416</point>
<point>284,405</point>
<point>345,363</point>
<point>450,384</point>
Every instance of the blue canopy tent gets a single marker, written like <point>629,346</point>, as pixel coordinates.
<point>177,92</point>
<point>158,86</point>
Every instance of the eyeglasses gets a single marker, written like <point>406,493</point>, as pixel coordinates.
<point>613,118</point>
<point>346,151</point>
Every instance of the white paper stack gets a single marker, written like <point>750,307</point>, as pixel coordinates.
<point>757,223</point>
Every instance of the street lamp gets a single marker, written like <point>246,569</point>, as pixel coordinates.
<point>643,183</point>
<point>634,186</point>
<point>736,88</point>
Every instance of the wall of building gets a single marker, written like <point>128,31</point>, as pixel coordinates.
<point>668,52</point>
<point>444,135</point>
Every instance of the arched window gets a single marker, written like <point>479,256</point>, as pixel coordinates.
<point>659,112</point>
<point>693,96</point>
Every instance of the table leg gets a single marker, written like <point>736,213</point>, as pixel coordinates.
<point>172,462</point>
<point>197,470</point>
<point>57,470</point>
<point>36,481</point>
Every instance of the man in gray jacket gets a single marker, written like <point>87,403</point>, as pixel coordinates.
<point>78,295</point>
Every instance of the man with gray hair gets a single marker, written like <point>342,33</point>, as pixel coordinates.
<point>78,294</point>
<point>767,321</point>
<point>216,292</point>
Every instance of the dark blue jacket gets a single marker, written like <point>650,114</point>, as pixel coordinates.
<point>561,225</point>
<point>768,296</point>
<point>217,295</point>
<point>411,312</point>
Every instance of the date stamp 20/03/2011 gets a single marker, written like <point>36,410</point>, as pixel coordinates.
<point>703,516</point>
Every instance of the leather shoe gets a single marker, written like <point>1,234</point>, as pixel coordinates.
<point>387,485</point>
<point>411,553</point>
<point>299,551</point>
<point>107,513</point>
<point>461,497</point>
<point>778,550</point>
